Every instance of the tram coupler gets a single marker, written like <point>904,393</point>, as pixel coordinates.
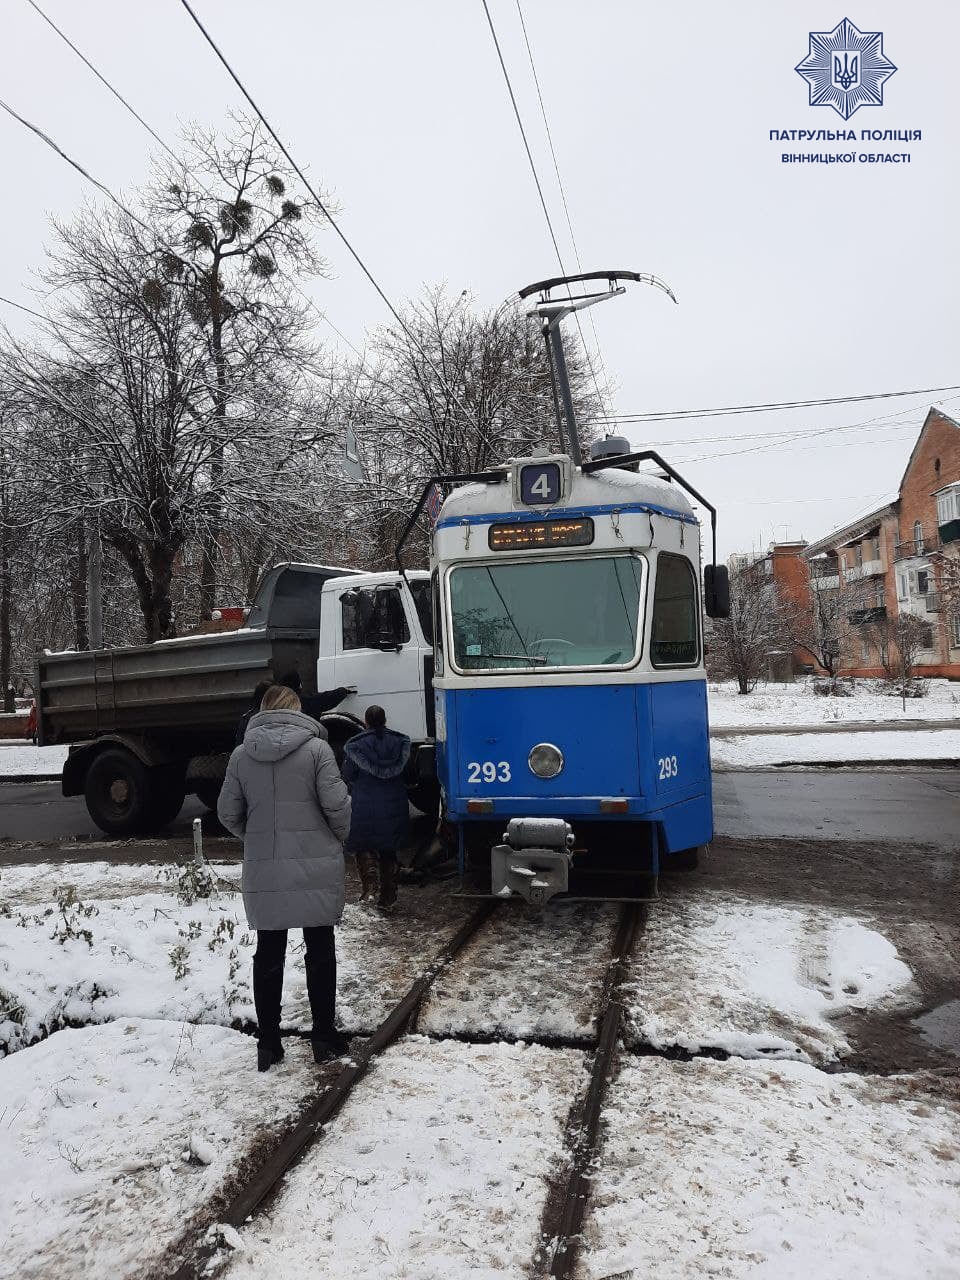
<point>534,859</point>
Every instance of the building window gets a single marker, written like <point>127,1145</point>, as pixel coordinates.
<point>858,553</point>
<point>955,631</point>
<point>902,586</point>
<point>923,581</point>
<point>926,639</point>
<point>918,537</point>
<point>865,652</point>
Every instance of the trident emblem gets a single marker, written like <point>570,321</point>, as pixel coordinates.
<point>847,72</point>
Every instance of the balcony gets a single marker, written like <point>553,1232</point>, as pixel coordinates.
<point>873,613</point>
<point>915,548</point>
<point>931,602</point>
<point>949,532</point>
<point>825,581</point>
<point>869,569</point>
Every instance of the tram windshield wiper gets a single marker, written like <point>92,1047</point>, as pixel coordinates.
<point>523,657</point>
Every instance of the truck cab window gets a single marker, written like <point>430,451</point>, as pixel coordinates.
<point>420,590</point>
<point>673,640</point>
<point>369,614</point>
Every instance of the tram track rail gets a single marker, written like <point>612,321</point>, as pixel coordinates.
<point>194,1254</point>
<point>197,1251</point>
<point>565,1207</point>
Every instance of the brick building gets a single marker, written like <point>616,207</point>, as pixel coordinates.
<point>784,572</point>
<point>902,558</point>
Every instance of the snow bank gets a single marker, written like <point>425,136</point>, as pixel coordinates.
<point>113,1137</point>
<point>435,1169</point>
<point>22,759</point>
<point>151,956</point>
<point>797,704</point>
<point>757,980</point>
<point>774,1170</point>
<point>811,748</point>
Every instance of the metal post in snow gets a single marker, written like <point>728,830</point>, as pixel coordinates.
<point>197,842</point>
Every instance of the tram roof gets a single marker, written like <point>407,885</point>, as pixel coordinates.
<point>598,489</point>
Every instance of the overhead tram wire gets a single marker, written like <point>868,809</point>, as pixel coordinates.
<point>58,326</point>
<point>670,415</point>
<point>455,399</point>
<point>179,161</point>
<point>556,169</point>
<point>539,186</point>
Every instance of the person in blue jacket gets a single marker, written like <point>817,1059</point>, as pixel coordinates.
<point>373,767</point>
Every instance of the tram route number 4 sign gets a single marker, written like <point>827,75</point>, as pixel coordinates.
<point>540,484</point>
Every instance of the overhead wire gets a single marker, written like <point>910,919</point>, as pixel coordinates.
<point>539,186</point>
<point>770,406</point>
<point>59,325</point>
<point>455,399</point>
<point>556,169</point>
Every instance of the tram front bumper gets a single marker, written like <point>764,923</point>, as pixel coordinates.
<point>534,860</point>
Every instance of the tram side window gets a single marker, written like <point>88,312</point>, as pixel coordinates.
<point>673,642</point>
<point>369,615</point>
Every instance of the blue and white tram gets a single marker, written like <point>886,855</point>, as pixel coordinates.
<point>569,682</point>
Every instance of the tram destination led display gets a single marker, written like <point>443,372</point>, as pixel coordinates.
<point>525,535</point>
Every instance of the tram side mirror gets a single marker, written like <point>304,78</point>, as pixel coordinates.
<point>716,591</point>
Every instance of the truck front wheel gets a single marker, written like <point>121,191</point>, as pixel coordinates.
<point>120,794</point>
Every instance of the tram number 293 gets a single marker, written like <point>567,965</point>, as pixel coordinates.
<point>488,771</point>
<point>668,767</point>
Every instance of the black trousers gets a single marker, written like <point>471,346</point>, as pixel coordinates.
<point>321,965</point>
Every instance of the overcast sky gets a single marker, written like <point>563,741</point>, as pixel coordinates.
<point>794,281</point>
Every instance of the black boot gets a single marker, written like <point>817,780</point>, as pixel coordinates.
<point>329,1045</point>
<point>268,1054</point>
<point>388,884</point>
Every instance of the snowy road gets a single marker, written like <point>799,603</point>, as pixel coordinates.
<point>915,805</point>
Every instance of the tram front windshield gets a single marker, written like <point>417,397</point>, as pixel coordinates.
<point>534,614</point>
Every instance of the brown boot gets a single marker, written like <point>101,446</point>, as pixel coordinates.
<point>367,867</point>
<point>388,884</point>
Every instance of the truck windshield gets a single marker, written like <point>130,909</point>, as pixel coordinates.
<point>538,614</point>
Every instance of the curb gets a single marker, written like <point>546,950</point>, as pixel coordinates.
<point>780,766</point>
<point>29,777</point>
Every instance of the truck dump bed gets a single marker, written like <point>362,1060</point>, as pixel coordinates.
<point>194,687</point>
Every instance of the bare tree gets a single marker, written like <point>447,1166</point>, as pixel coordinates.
<point>458,392</point>
<point>760,623</point>
<point>141,419</point>
<point>237,233</point>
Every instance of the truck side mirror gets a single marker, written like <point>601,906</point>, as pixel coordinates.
<point>716,591</point>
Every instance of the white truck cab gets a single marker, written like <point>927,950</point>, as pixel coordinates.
<point>376,636</point>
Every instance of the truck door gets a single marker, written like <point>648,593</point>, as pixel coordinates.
<point>378,649</point>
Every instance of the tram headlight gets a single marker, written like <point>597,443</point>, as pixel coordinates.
<point>545,760</point>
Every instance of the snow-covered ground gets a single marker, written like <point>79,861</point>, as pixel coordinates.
<point>762,750</point>
<point>756,980</point>
<point>797,705</point>
<point>774,1170</point>
<point>149,955</point>
<point>114,1137</point>
<point>18,758</point>
<point>527,974</point>
<point>436,1169</point>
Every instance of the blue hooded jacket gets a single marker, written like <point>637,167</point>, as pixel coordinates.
<point>373,766</point>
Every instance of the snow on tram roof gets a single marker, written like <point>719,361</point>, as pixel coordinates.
<point>601,488</point>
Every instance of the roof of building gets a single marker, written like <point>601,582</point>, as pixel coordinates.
<point>867,521</point>
<point>932,413</point>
